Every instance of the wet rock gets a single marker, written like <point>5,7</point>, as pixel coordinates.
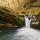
<point>36,23</point>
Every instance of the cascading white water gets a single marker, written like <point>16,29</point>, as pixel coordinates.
<point>26,28</point>
<point>27,33</point>
<point>27,22</point>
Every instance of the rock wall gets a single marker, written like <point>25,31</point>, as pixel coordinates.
<point>15,4</point>
<point>18,8</point>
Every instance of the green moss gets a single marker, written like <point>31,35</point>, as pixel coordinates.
<point>19,21</point>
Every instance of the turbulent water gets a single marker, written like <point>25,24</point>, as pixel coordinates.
<point>25,33</point>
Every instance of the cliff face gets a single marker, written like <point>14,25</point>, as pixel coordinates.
<point>15,4</point>
<point>17,8</point>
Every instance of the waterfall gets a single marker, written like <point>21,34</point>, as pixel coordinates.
<point>26,28</point>
<point>27,22</point>
<point>27,33</point>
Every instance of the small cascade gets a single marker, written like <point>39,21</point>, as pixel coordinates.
<point>26,28</point>
<point>27,22</point>
<point>27,33</point>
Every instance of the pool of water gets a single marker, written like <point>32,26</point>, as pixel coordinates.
<point>20,34</point>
